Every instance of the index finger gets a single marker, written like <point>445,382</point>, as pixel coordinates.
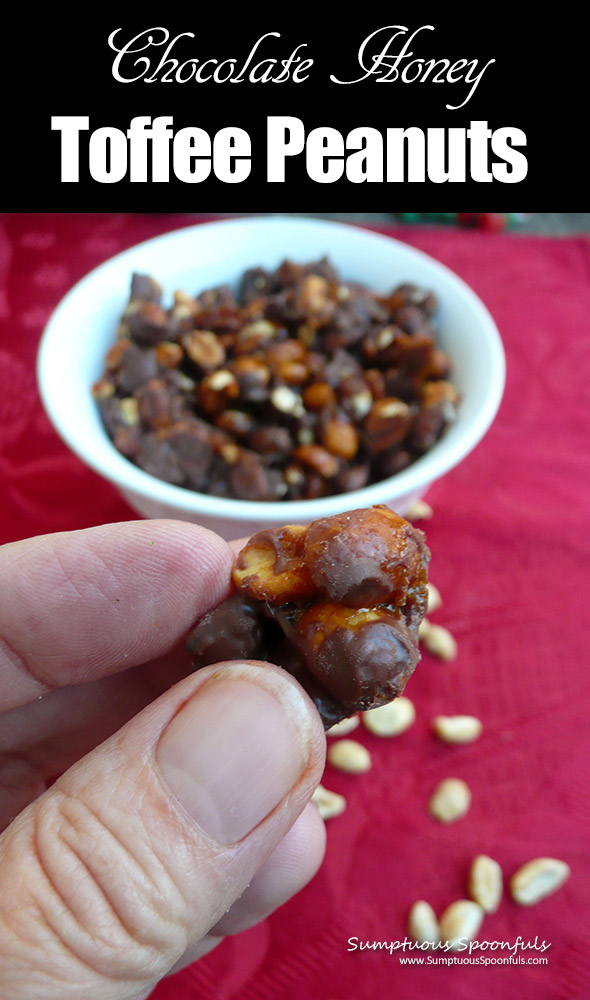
<point>81,605</point>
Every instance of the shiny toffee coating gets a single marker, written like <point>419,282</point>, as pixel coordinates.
<point>336,603</point>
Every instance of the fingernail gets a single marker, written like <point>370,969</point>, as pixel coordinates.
<point>236,749</point>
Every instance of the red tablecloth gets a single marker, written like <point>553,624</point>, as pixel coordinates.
<point>511,551</point>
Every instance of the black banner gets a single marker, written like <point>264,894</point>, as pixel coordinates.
<point>174,113</point>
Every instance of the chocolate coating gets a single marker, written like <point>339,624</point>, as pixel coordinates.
<point>231,631</point>
<point>368,560</point>
<point>362,663</point>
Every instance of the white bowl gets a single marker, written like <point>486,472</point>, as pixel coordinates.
<point>74,343</point>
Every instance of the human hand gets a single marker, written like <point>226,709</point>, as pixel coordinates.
<point>180,814</point>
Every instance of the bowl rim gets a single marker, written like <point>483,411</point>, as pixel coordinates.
<point>440,459</point>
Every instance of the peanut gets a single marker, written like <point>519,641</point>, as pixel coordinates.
<point>129,411</point>
<point>450,800</point>
<point>420,510</point>
<point>457,728</point>
<point>168,354</point>
<point>103,389</point>
<point>422,924</point>
<point>340,438</point>
<point>537,879</point>
<point>460,921</point>
<point>349,756</point>
<point>391,719</point>
<point>485,883</point>
<point>255,573</point>
<point>330,804</point>
<point>286,400</point>
<point>345,727</point>
<point>204,348</point>
<point>438,640</point>
<point>318,459</point>
<point>434,598</point>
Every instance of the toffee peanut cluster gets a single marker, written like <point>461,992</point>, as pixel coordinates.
<point>337,603</point>
<point>297,386</point>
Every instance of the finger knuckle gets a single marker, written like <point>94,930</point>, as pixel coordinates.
<point>105,897</point>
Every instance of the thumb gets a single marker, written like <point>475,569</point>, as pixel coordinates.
<point>140,848</point>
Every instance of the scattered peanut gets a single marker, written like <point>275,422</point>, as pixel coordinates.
<point>349,756</point>
<point>460,921</point>
<point>437,640</point>
<point>457,728</point>
<point>422,924</point>
<point>485,883</point>
<point>434,598</point>
<point>420,510</point>
<point>329,804</point>
<point>537,879</point>
<point>345,727</point>
<point>450,800</point>
<point>391,719</point>
<point>424,628</point>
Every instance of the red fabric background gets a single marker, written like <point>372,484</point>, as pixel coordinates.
<point>511,550</point>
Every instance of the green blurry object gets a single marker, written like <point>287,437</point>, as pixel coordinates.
<point>491,221</point>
